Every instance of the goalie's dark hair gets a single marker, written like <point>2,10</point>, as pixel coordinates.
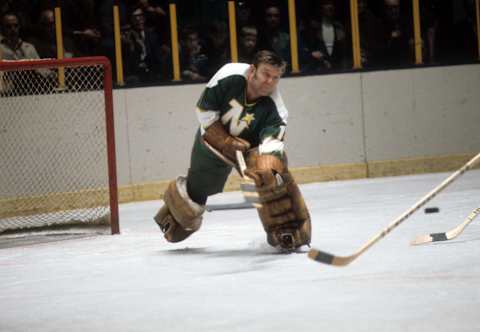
<point>268,57</point>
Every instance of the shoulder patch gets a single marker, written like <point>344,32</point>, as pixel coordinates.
<point>230,69</point>
<point>279,104</point>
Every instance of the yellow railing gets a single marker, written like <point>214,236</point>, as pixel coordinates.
<point>118,43</point>
<point>417,32</point>
<point>59,40</point>
<point>233,31</point>
<point>174,36</point>
<point>357,60</point>
<point>293,36</point>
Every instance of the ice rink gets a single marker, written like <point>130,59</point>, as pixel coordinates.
<point>226,278</point>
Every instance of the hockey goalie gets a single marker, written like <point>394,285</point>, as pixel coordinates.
<point>240,110</point>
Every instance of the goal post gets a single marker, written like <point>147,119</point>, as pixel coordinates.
<point>57,143</point>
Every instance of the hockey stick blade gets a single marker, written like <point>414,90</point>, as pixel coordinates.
<point>323,257</point>
<point>326,258</point>
<point>449,235</point>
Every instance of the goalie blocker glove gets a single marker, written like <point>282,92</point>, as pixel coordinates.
<point>226,144</point>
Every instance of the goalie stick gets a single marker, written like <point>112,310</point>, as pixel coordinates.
<point>451,234</point>
<point>228,206</point>
<point>327,258</point>
<point>248,185</point>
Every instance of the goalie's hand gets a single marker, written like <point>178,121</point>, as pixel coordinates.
<point>223,142</point>
<point>234,144</point>
<point>261,177</point>
<point>266,170</point>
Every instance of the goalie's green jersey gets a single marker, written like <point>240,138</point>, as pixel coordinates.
<point>261,123</point>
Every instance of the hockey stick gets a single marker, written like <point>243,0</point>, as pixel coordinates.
<point>247,185</point>
<point>451,234</point>
<point>324,257</point>
<point>229,206</point>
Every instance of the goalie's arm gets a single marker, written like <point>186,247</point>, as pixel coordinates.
<point>212,130</point>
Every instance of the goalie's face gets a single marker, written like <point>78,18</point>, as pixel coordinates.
<point>263,79</point>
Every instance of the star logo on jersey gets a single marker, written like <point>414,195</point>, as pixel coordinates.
<point>233,115</point>
<point>248,118</point>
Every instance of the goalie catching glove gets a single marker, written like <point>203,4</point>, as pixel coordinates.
<point>283,212</point>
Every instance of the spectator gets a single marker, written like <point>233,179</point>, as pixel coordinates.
<point>324,41</point>
<point>194,61</point>
<point>12,46</point>
<point>217,46</point>
<point>80,24</point>
<point>465,44</point>
<point>370,35</point>
<point>156,18</point>
<point>45,39</point>
<point>430,26</point>
<point>452,32</point>
<point>244,15</point>
<point>397,41</point>
<point>104,14</point>
<point>153,12</point>
<point>206,10</point>
<point>145,57</point>
<point>271,37</point>
<point>248,44</point>
<point>24,10</point>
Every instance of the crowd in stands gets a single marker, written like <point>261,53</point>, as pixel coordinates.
<point>323,29</point>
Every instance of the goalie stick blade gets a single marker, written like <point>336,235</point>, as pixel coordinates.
<point>248,187</point>
<point>326,258</point>
<point>250,192</point>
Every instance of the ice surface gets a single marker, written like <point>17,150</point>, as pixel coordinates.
<point>226,278</point>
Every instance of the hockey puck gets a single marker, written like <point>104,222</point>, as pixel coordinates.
<point>432,210</point>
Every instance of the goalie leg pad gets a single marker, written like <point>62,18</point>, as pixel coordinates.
<point>180,216</point>
<point>283,212</point>
<point>291,237</point>
<point>287,225</point>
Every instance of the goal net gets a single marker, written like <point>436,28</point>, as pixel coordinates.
<point>57,165</point>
